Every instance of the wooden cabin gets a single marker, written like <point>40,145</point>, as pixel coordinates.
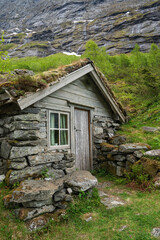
<point>60,125</point>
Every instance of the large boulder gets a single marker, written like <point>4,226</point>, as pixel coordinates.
<point>30,191</point>
<point>80,181</point>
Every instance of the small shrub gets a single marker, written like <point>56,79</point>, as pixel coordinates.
<point>137,174</point>
<point>44,172</point>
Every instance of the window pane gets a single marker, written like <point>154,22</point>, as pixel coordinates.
<point>54,120</point>
<point>54,137</point>
<point>64,137</point>
<point>63,121</point>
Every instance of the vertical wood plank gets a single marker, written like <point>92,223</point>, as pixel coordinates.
<point>82,142</point>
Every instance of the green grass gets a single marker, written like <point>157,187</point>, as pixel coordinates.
<point>140,215</point>
<point>40,64</point>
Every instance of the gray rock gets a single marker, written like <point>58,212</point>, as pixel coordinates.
<point>157,182</point>
<point>107,147</point>
<point>80,181</point>
<point>37,204</point>
<point>120,171</point>
<point>28,125</point>
<point>152,153</point>
<point>43,158</point>
<point>156,232</point>
<point>123,228</point>
<point>20,175</point>
<point>117,140</point>
<point>132,147</point>
<point>2,178</point>
<point>37,223</point>
<point>68,198</point>
<point>27,117</point>
<point>70,170</point>
<point>121,164</point>
<point>69,191</point>
<point>150,129</point>
<point>20,160</point>
<point>119,158</point>
<point>29,213</point>
<point>110,202</point>
<point>55,173</point>
<point>131,158</point>
<point>138,154</point>
<point>19,152</point>
<point>24,135</point>
<point>5,149</point>
<point>59,196</point>
<point>35,190</point>
<point>19,143</point>
<point>18,165</point>
<point>97,130</point>
<point>1,131</point>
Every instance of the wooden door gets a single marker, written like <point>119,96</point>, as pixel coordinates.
<point>82,139</point>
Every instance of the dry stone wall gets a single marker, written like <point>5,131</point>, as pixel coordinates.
<point>110,152</point>
<point>24,151</point>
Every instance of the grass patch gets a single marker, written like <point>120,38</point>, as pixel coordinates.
<point>41,64</point>
<point>140,215</point>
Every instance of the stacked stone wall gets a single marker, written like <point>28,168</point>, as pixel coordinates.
<point>24,151</point>
<point>110,151</point>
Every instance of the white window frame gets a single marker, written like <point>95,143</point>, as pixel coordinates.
<point>59,129</point>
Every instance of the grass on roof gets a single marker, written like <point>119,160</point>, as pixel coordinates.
<point>41,64</point>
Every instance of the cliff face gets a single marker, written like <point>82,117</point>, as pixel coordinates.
<point>43,27</point>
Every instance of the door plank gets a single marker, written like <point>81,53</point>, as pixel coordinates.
<point>82,140</point>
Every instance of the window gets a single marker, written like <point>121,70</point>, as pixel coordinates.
<point>59,129</point>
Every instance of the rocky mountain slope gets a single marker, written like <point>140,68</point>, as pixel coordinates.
<point>43,27</point>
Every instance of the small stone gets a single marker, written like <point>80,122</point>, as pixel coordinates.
<point>121,164</point>
<point>59,196</point>
<point>156,232</point>
<point>37,223</point>
<point>5,149</point>
<point>69,191</point>
<point>117,140</point>
<point>122,228</point>
<point>106,147</point>
<point>2,177</point>
<point>88,219</point>
<point>120,171</point>
<point>157,182</point>
<point>138,154</point>
<point>150,129</point>
<point>131,158</point>
<point>152,153</point>
<point>68,198</point>
<point>97,130</point>
<point>70,170</point>
<point>119,158</point>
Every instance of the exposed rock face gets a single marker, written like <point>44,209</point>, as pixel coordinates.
<point>53,26</point>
